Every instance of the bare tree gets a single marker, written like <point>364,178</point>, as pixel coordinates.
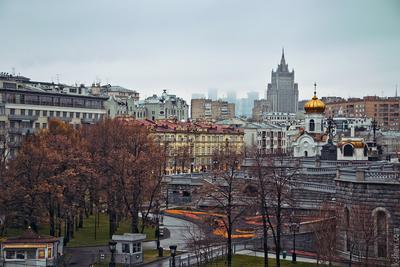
<point>281,172</point>
<point>225,192</point>
<point>325,234</point>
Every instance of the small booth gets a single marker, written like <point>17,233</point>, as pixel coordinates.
<point>31,249</point>
<point>128,248</point>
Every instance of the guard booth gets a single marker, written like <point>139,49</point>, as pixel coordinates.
<point>129,248</point>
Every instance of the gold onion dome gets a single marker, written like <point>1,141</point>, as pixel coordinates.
<point>314,105</point>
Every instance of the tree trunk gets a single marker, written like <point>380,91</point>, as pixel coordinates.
<point>80,224</point>
<point>265,238</point>
<point>134,221</point>
<point>51,221</point>
<point>229,242</point>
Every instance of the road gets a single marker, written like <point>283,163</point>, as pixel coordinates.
<point>178,232</point>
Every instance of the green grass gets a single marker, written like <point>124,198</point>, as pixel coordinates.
<point>85,236</point>
<point>244,260</point>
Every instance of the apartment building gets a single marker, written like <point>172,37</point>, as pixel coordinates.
<point>190,146</point>
<point>24,109</point>
<point>384,109</point>
<point>211,110</point>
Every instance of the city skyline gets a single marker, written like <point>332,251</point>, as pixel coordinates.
<point>189,47</point>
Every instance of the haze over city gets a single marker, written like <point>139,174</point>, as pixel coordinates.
<point>351,48</point>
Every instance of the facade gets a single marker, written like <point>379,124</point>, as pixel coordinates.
<point>386,110</point>
<point>367,199</point>
<point>260,107</point>
<point>191,145</point>
<point>25,109</point>
<point>209,110</point>
<point>31,249</point>
<point>116,91</point>
<point>352,149</point>
<point>267,138</point>
<point>166,106</point>
<point>279,118</point>
<point>310,140</point>
<point>282,92</point>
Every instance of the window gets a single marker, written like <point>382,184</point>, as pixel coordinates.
<point>41,254</point>
<point>44,125</point>
<point>381,227</point>
<point>77,115</point>
<point>37,125</point>
<point>58,113</point>
<point>312,126</point>
<point>64,114</point>
<point>22,111</point>
<point>44,113</point>
<point>10,254</point>
<point>51,113</point>
<point>12,111</point>
<point>136,247</point>
<point>37,112</point>
<point>365,151</point>
<point>125,248</point>
<point>20,255</point>
<point>49,255</point>
<point>348,150</point>
<point>30,112</point>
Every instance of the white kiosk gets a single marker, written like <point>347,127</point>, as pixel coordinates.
<point>129,248</point>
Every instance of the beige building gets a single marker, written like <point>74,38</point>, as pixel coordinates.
<point>210,110</point>
<point>190,146</point>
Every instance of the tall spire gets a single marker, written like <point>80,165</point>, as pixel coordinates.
<point>283,67</point>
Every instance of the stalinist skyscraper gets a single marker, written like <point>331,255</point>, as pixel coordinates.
<point>282,92</point>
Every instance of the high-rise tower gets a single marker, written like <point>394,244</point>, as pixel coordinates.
<point>282,92</point>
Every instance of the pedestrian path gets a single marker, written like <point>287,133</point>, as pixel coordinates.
<point>272,256</point>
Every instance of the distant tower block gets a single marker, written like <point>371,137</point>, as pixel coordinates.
<point>282,92</point>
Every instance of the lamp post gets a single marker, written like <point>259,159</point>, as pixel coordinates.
<point>172,249</point>
<point>294,227</point>
<point>112,244</point>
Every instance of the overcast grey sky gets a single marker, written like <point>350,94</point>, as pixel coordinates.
<point>351,48</point>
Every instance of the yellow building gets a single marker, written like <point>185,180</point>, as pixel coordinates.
<point>190,146</point>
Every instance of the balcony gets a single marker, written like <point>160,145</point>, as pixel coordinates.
<point>22,117</point>
<point>21,130</point>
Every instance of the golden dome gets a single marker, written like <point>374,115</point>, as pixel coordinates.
<point>314,105</point>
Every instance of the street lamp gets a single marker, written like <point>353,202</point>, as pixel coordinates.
<point>172,249</point>
<point>294,227</point>
<point>113,245</point>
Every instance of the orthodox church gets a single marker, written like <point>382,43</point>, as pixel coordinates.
<point>312,138</point>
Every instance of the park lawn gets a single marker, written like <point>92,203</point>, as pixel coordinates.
<point>85,236</point>
<point>244,260</point>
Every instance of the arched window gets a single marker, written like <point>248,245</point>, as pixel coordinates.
<point>348,150</point>
<point>381,233</point>
<point>347,227</point>
<point>322,126</point>
<point>306,153</point>
<point>312,126</point>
